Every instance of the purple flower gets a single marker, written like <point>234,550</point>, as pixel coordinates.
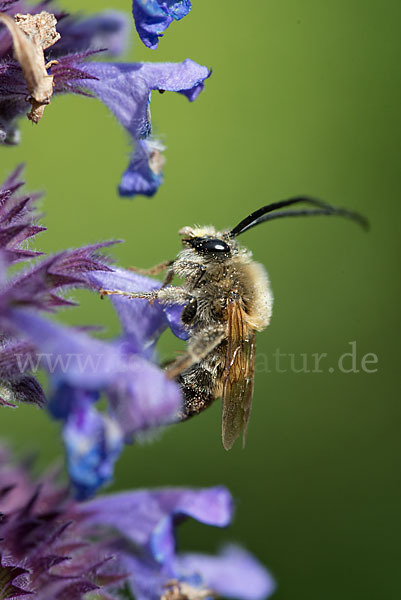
<point>92,440</point>
<point>125,88</point>
<point>80,366</point>
<point>45,551</point>
<point>93,443</point>
<point>17,221</point>
<point>148,520</point>
<point>140,395</point>
<point>17,224</point>
<point>39,285</point>
<point>234,573</point>
<point>36,286</point>
<point>16,387</point>
<point>142,323</point>
<point>28,80</point>
<point>108,31</point>
<point>52,547</point>
<point>152,17</point>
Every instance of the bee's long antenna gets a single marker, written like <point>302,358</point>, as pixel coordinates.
<point>262,215</point>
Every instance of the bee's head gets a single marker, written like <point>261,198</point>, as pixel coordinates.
<point>209,243</point>
<point>213,245</point>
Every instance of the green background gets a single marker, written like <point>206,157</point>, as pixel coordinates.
<point>304,98</point>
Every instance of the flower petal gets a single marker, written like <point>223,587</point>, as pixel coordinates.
<point>67,399</point>
<point>141,321</point>
<point>125,89</point>
<point>143,175</point>
<point>147,579</point>
<point>234,573</point>
<point>107,30</point>
<point>173,314</point>
<point>69,355</point>
<point>144,398</point>
<point>147,518</point>
<point>152,17</point>
<point>93,443</point>
<point>141,395</point>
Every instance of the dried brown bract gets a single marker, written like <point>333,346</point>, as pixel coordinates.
<point>156,161</point>
<point>31,35</point>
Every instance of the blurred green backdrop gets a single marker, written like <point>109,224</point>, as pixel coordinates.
<point>304,98</point>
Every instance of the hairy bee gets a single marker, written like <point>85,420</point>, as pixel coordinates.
<point>227,299</point>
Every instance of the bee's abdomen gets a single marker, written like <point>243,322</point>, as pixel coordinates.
<point>198,388</point>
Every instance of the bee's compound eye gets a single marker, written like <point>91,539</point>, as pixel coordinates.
<point>214,246</point>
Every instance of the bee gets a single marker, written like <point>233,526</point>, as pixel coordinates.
<point>227,298</point>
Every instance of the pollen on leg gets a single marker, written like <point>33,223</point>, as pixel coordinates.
<point>150,296</point>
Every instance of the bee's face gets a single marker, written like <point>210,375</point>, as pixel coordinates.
<point>208,243</point>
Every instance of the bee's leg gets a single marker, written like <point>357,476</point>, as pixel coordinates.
<point>169,276</point>
<point>153,270</point>
<point>151,296</point>
<point>168,295</point>
<point>199,347</point>
<point>173,295</point>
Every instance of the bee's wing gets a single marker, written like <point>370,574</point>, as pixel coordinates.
<point>238,375</point>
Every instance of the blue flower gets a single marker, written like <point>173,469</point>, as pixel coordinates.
<point>234,573</point>
<point>93,442</point>
<point>140,395</point>
<point>152,17</point>
<point>108,31</point>
<point>125,88</point>
<point>53,547</point>
<point>38,285</point>
<point>148,520</point>
<point>81,367</point>
<point>142,323</point>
